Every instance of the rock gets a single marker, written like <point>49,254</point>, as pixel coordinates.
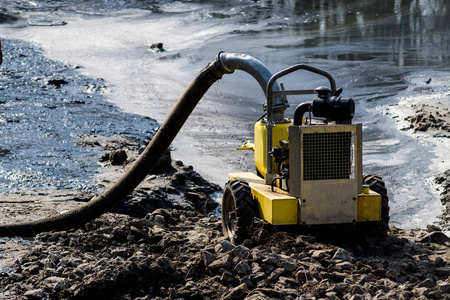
<point>242,268</point>
<point>267,293</point>
<point>443,287</point>
<point>358,290</point>
<point>37,294</point>
<point>224,246</point>
<point>162,212</point>
<point>301,276</point>
<point>439,261</point>
<point>335,276</point>
<point>59,286</point>
<point>239,292</point>
<point>286,283</point>
<point>227,277</point>
<point>223,262</point>
<point>241,251</point>
<point>256,268</point>
<point>165,263</point>
<point>428,283</point>
<point>57,82</point>
<point>157,47</point>
<point>272,261</point>
<point>436,237</point>
<point>247,281</point>
<point>159,221</point>
<point>288,266</point>
<point>343,254</point>
<point>33,269</point>
<point>319,254</point>
<point>423,291</point>
<point>123,252</point>
<point>345,265</point>
<point>207,258</point>
<point>117,157</point>
<point>442,271</point>
<point>257,277</point>
<point>275,274</point>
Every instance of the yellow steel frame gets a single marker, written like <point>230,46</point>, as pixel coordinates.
<point>277,207</point>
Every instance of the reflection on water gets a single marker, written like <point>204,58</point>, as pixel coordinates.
<point>401,32</point>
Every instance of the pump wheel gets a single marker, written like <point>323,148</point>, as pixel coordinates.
<point>377,185</point>
<point>238,211</point>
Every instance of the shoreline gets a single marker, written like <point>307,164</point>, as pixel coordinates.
<point>427,119</point>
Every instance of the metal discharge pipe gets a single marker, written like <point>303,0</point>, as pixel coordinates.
<point>224,64</point>
<point>254,67</point>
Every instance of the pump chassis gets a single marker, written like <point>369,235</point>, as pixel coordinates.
<point>309,168</point>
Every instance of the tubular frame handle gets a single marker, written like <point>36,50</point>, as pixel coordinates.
<point>270,95</point>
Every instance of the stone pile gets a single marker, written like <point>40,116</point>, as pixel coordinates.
<point>181,254</point>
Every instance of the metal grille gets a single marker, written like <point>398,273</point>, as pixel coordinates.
<point>328,156</point>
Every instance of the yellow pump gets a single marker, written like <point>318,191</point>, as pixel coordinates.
<point>309,172</point>
<point>280,133</point>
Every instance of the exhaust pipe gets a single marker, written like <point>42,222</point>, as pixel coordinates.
<point>225,63</point>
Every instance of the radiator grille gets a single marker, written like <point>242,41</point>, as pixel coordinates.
<point>328,156</point>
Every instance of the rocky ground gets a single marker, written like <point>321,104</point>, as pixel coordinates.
<point>180,254</point>
<point>164,242</point>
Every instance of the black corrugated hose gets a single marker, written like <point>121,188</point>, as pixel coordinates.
<point>139,170</point>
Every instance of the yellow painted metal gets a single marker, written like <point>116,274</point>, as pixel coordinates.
<point>247,176</point>
<point>369,207</point>
<point>277,208</point>
<point>279,133</point>
<point>248,145</point>
<point>366,189</point>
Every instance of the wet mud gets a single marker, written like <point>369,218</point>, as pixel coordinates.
<point>46,107</point>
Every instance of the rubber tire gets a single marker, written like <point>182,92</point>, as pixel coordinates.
<point>237,197</point>
<point>377,185</point>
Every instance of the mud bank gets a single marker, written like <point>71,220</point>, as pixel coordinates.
<point>46,107</point>
<point>423,112</point>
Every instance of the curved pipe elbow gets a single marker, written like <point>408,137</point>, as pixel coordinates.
<point>300,110</point>
<point>248,64</point>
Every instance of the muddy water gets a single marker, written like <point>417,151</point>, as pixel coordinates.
<point>373,48</point>
<point>46,108</point>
